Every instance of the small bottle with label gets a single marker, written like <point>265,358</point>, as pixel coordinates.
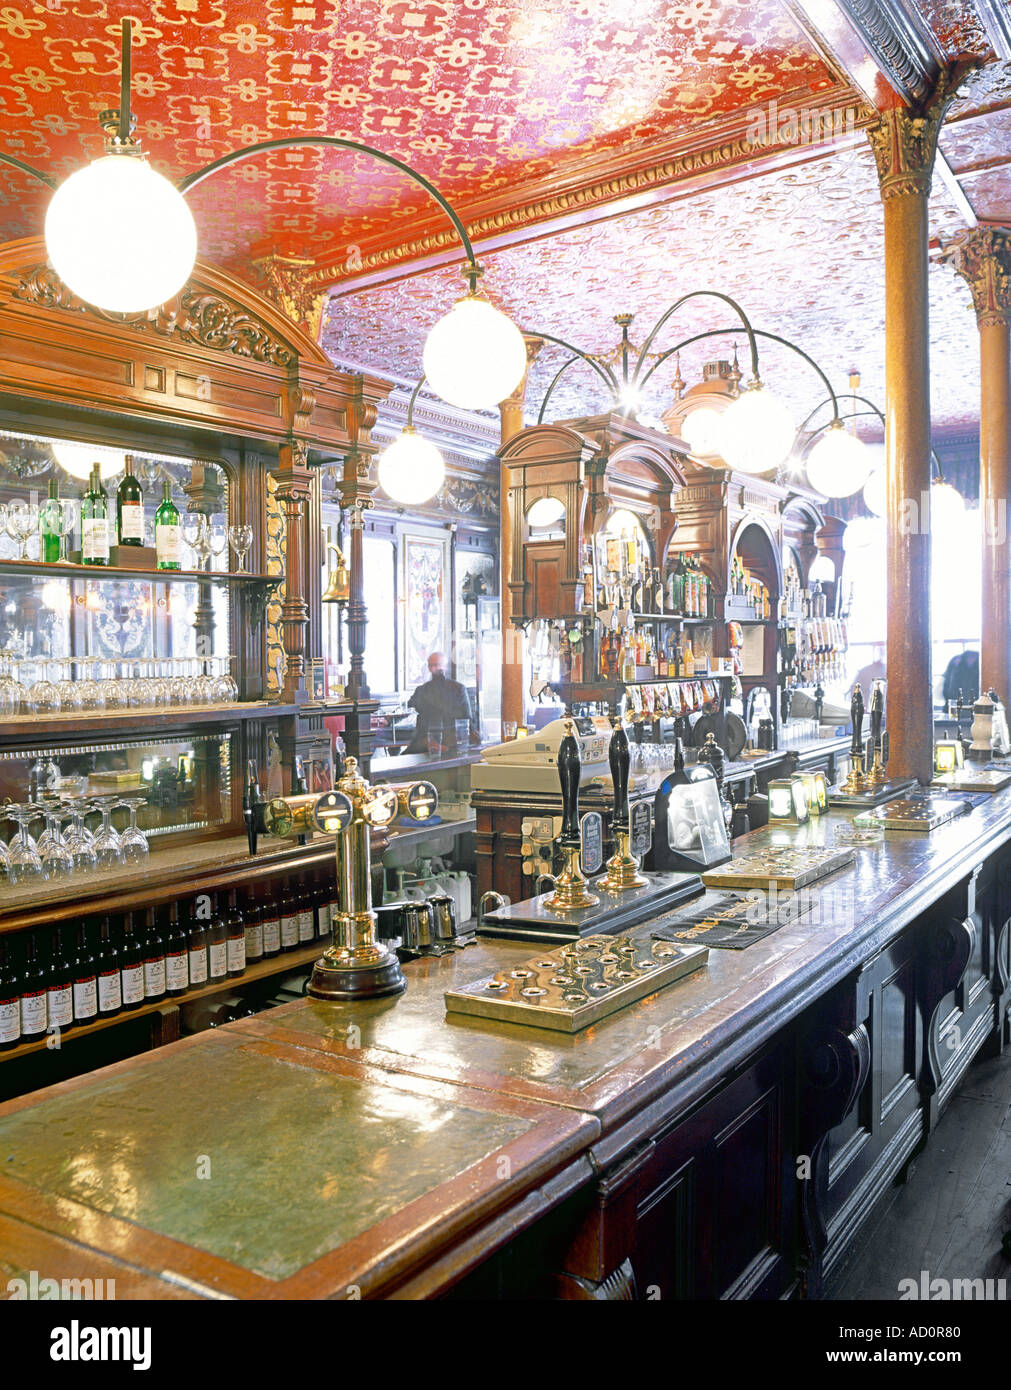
<point>177,969</point>
<point>110,988</point>
<point>168,537</point>
<point>196,951</point>
<point>306,916</point>
<point>85,980</point>
<point>130,508</point>
<point>131,964</point>
<point>154,958</point>
<point>289,911</point>
<point>60,999</point>
<point>271,926</point>
<point>10,999</point>
<point>217,945</point>
<point>254,927</point>
<point>34,1014</point>
<point>95,522</point>
<point>236,942</point>
<point>49,525</point>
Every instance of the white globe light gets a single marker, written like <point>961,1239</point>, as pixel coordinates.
<point>411,469</point>
<point>947,506</point>
<point>757,432</point>
<point>702,431</point>
<point>474,356</point>
<point>876,492</point>
<point>838,464</point>
<point>120,235</point>
<point>545,511</point>
<point>861,532</point>
<point>79,459</point>
<point>822,570</point>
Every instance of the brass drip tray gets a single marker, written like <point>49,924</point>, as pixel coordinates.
<point>573,986</point>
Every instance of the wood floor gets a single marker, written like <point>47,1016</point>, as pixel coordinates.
<point>954,1209</point>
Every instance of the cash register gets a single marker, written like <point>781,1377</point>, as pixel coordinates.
<point>530,764</point>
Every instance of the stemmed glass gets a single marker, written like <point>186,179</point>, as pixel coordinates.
<point>57,860</point>
<point>181,682</point>
<point>132,840</point>
<point>12,692</point>
<point>90,690</point>
<point>107,846</point>
<point>240,538</point>
<point>196,534</point>
<point>69,690</point>
<point>226,692</point>
<point>44,697</point>
<point>58,515</point>
<point>112,688</point>
<point>25,863</point>
<point>79,839</point>
<point>22,524</point>
<point>205,692</point>
<point>5,863</point>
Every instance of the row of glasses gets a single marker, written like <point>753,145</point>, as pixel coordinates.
<point>57,854</point>
<point>22,520</point>
<point>65,685</point>
<point>206,539</point>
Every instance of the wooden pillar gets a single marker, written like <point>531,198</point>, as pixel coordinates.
<point>294,484</point>
<point>511,416</point>
<point>904,144</point>
<point>983,258</point>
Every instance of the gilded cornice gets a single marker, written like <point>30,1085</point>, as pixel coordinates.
<point>983,259</point>
<point>904,140</point>
<point>288,284</point>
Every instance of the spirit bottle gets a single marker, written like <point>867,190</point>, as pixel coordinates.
<point>95,522</point>
<point>85,980</point>
<point>34,1016</point>
<point>130,507</point>
<point>131,966</point>
<point>177,968</point>
<point>110,989</point>
<point>167,531</point>
<point>49,525</point>
<point>60,1000</point>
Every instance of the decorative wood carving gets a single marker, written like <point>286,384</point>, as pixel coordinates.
<point>983,259</point>
<point>950,944</point>
<point>289,285</point>
<point>905,141</point>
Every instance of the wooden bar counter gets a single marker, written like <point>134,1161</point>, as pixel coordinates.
<point>722,1138</point>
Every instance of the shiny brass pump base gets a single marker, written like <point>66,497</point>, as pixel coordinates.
<point>367,970</point>
<point>856,781</point>
<point>622,869</point>
<point>570,886</point>
<point>877,777</point>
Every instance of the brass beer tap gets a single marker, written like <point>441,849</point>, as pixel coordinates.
<point>622,869</point>
<point>570,885</point>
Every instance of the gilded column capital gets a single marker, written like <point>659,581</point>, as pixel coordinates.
<point>904,139</point>
<point>290,286</point>
<point>982,257</point>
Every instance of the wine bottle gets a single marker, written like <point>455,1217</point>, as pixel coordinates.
<point>306,919</point>
<point>289,918</point>
<point>130,507</point>
<point>196,950</point>
<point>110,987</point>
<point>60,997</point>
<point>236,942</point>
<point>271,927</point>
<point>95,522</point>
<point>331,913</point>
<point>49,525</point>
<point>254,927</point>
<point>10,999</point>
<point>217,945</point>
<point>131,964</point>
<point>85,980</point>
<point>177,970</point>
<point>154,958</point>
<point>34,1017</point>
<point>167,531</point>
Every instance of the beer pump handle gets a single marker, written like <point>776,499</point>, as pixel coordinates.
<point>857,719</point>
<point>569,771</point>
<point>251,800</point>
<point>619,757</point>
<point>877,714</point>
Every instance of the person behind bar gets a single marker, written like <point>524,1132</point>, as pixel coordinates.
<point>440,702</point>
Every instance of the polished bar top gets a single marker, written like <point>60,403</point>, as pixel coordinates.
<point>322,1148</point>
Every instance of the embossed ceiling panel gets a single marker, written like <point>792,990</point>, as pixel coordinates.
<point>479,96</point>
<point>802,251</point>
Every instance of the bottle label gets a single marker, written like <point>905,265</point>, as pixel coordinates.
<point>254,941</point>
<point>131,521</point>
<point>33,1013</point>
<point>271,935</point>
<point>154,977</point>
<point>86,998</point>
<point>133,984</point>
<point>110,996</point>
<point>289,930</point>
<point>306,926</point>
<point>95,538</point>
<point>168,544</point>
<point>198,965</point>
<point>236,954</point>
<point>61,1007</point>
<point>10,1020</point>
<point>335,917</point>
<point>177,973</point>
<point>218,959</point>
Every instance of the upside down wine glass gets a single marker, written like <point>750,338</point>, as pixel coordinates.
<point>25,863</point>
<point>107,846</point>
<point>133,842</point>
<point>57,861</point>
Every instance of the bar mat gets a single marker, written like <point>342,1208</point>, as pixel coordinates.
<point>732,922</point>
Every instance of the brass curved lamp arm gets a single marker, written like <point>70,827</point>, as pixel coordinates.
<point>414,396</point>
<point>554,382</point>
<point>30,169</point>
<point>872,409</point>
<point>696,294</point>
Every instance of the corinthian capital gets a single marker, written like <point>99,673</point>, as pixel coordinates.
<point>983,259</point>
<point>904,140</point>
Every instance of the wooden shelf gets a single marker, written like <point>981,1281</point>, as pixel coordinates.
<point>147,721</point>
<point>262,970</point>
<point>66,569</point>
<point>677,619</point>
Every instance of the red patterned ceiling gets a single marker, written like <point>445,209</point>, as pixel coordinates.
<point>480,97</point>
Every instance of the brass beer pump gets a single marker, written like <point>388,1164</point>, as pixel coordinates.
<point>877,776</point>
<point>570,885</point>
<point>622,869</point>
<point>856,781</point>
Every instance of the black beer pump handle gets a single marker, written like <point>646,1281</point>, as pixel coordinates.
<point>250,805</point>
<point>619,757</point>
<point>877,715</point>
<point>569,771</point>
<point>857,720</point>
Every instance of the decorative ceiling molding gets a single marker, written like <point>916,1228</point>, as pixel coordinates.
<point>996,20</point>
<point>900,43</point>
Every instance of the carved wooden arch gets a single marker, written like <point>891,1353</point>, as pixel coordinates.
<point>754,519</point>
<point>802,521</point>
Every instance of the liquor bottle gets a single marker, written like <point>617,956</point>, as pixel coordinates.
<point>252,916</point>
<point>177,968</point>
<point>661,663</point>
<point>271,927</point>
<point>131,964</point>
<point>130,507</point>
<point>167,531</point>
<point>110,988</point>
<point>689,658</point>
<point>236,942</point>
<point>85,980</point>
<point>60,997</point>
<point>95,522</point>
<point>196,951</point>
<point>288,907</point>
<point>10,999</point>
<point>217,945</point>
<point>49,525</point>
<point>154,958</point>
<point>657,590</point>
<point>34,1017</point>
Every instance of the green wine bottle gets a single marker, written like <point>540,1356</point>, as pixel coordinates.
<point>167,531</point>
<point>95,522</point>
<point>49,525</point>
<point>130,507</point>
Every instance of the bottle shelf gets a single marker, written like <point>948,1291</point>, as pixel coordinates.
<point>109,722</point>
<point>262,970</point>
<point>67,569</point>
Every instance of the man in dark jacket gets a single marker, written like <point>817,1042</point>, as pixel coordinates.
<point>962,673</point>
<point>440,702</point>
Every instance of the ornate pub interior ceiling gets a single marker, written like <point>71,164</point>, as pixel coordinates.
<point>606,155</point>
